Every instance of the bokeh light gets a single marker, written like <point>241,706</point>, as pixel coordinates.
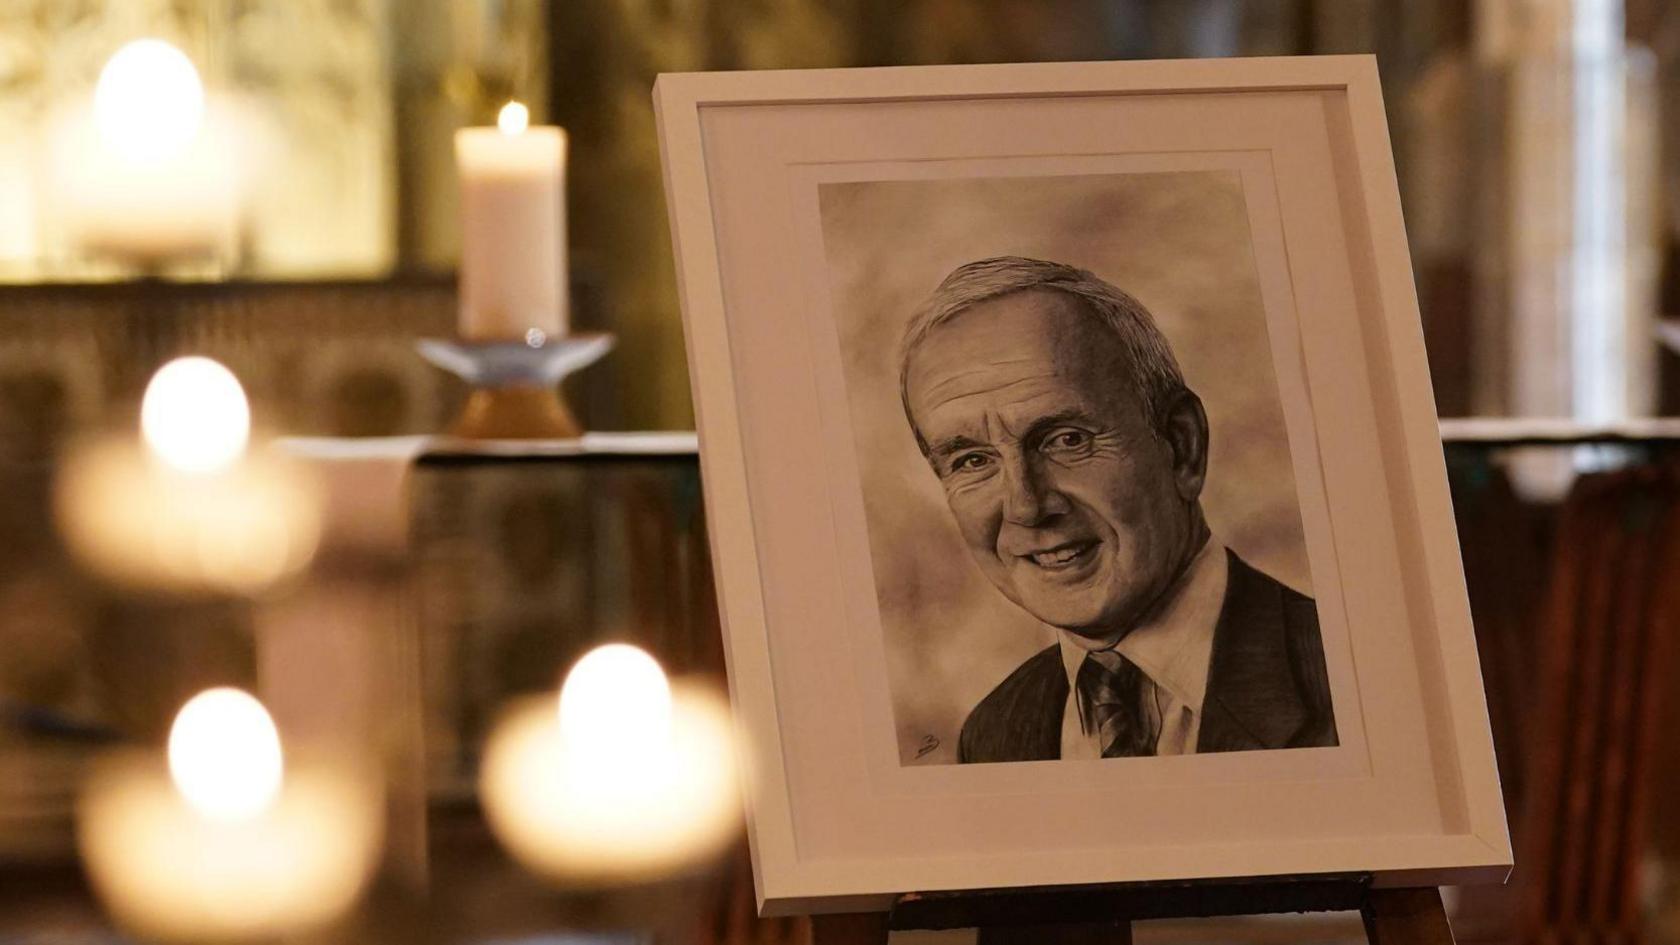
<point>224,754</point>
<point>149,102</point>
<point>194,415</point>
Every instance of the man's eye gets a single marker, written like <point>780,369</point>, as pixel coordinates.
<point>1067,440</point>
<point>970,461</point>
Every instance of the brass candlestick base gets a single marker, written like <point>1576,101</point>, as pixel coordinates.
<point>516,384</point>
<point>515,413</point>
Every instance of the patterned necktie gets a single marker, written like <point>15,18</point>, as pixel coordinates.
<point>1111,705</point>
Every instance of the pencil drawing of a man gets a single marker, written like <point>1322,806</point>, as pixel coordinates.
<point>1073,457</point>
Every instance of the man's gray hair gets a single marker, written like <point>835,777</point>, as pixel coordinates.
<point>1153,371</point>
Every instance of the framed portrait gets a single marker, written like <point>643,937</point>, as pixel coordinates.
<point>1077,503</point>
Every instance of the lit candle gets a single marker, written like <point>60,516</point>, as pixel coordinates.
<point>191,510</point>
<point>513,239</point>
<point>150,178</point>
<point>227,842</point>
<point>631,780</point>
<point>194,416</point>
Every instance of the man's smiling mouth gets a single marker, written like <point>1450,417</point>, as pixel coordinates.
<point>1062,557</point>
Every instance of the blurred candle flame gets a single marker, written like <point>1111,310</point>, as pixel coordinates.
<point>615,705</point>
<point>194,416</point>
<point>222,841</point>
<point>513,119</point>
<point>149,102</point>
<point>224,755</point>
<point>633,779</point>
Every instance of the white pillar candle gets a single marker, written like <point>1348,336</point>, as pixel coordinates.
<point>513,239</point>
<point>228,842</point>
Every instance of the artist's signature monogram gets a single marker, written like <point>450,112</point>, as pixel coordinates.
<point>929,743</point>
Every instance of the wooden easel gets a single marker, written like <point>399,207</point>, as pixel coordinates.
<point>1103,915</point>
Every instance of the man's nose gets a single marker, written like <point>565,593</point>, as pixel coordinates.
<point>1030,498</point>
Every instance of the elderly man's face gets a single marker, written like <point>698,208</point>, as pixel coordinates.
<point>1071,504</point>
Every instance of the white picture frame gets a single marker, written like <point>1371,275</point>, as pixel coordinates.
<point>837,820</point>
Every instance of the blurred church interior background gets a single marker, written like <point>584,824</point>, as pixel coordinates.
<point>1538,148</point>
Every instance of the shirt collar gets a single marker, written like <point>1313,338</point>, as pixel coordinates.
<point>1175,647</point>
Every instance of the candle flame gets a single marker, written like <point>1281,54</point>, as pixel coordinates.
<point>149,103</point>
<point>513,119</point>
<point>615,707</point>
<point>224,754</point>
<point>194,415</point>
<point>655,810</point>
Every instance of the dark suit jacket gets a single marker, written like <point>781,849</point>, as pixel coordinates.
<point>1267,687</point>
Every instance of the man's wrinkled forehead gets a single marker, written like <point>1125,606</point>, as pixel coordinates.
<point>1017,344</point>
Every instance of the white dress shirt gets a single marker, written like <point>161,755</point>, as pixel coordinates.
<point>1173,649</point>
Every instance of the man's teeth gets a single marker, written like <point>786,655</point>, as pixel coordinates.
<point>1050,558</point>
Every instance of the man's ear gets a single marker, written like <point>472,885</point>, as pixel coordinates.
<point>1184,426</point>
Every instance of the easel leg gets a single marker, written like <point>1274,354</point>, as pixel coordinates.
<point>1078,933</point>
<point>870,928</point>
<point>849,928</point>
<point>1406,917</point>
